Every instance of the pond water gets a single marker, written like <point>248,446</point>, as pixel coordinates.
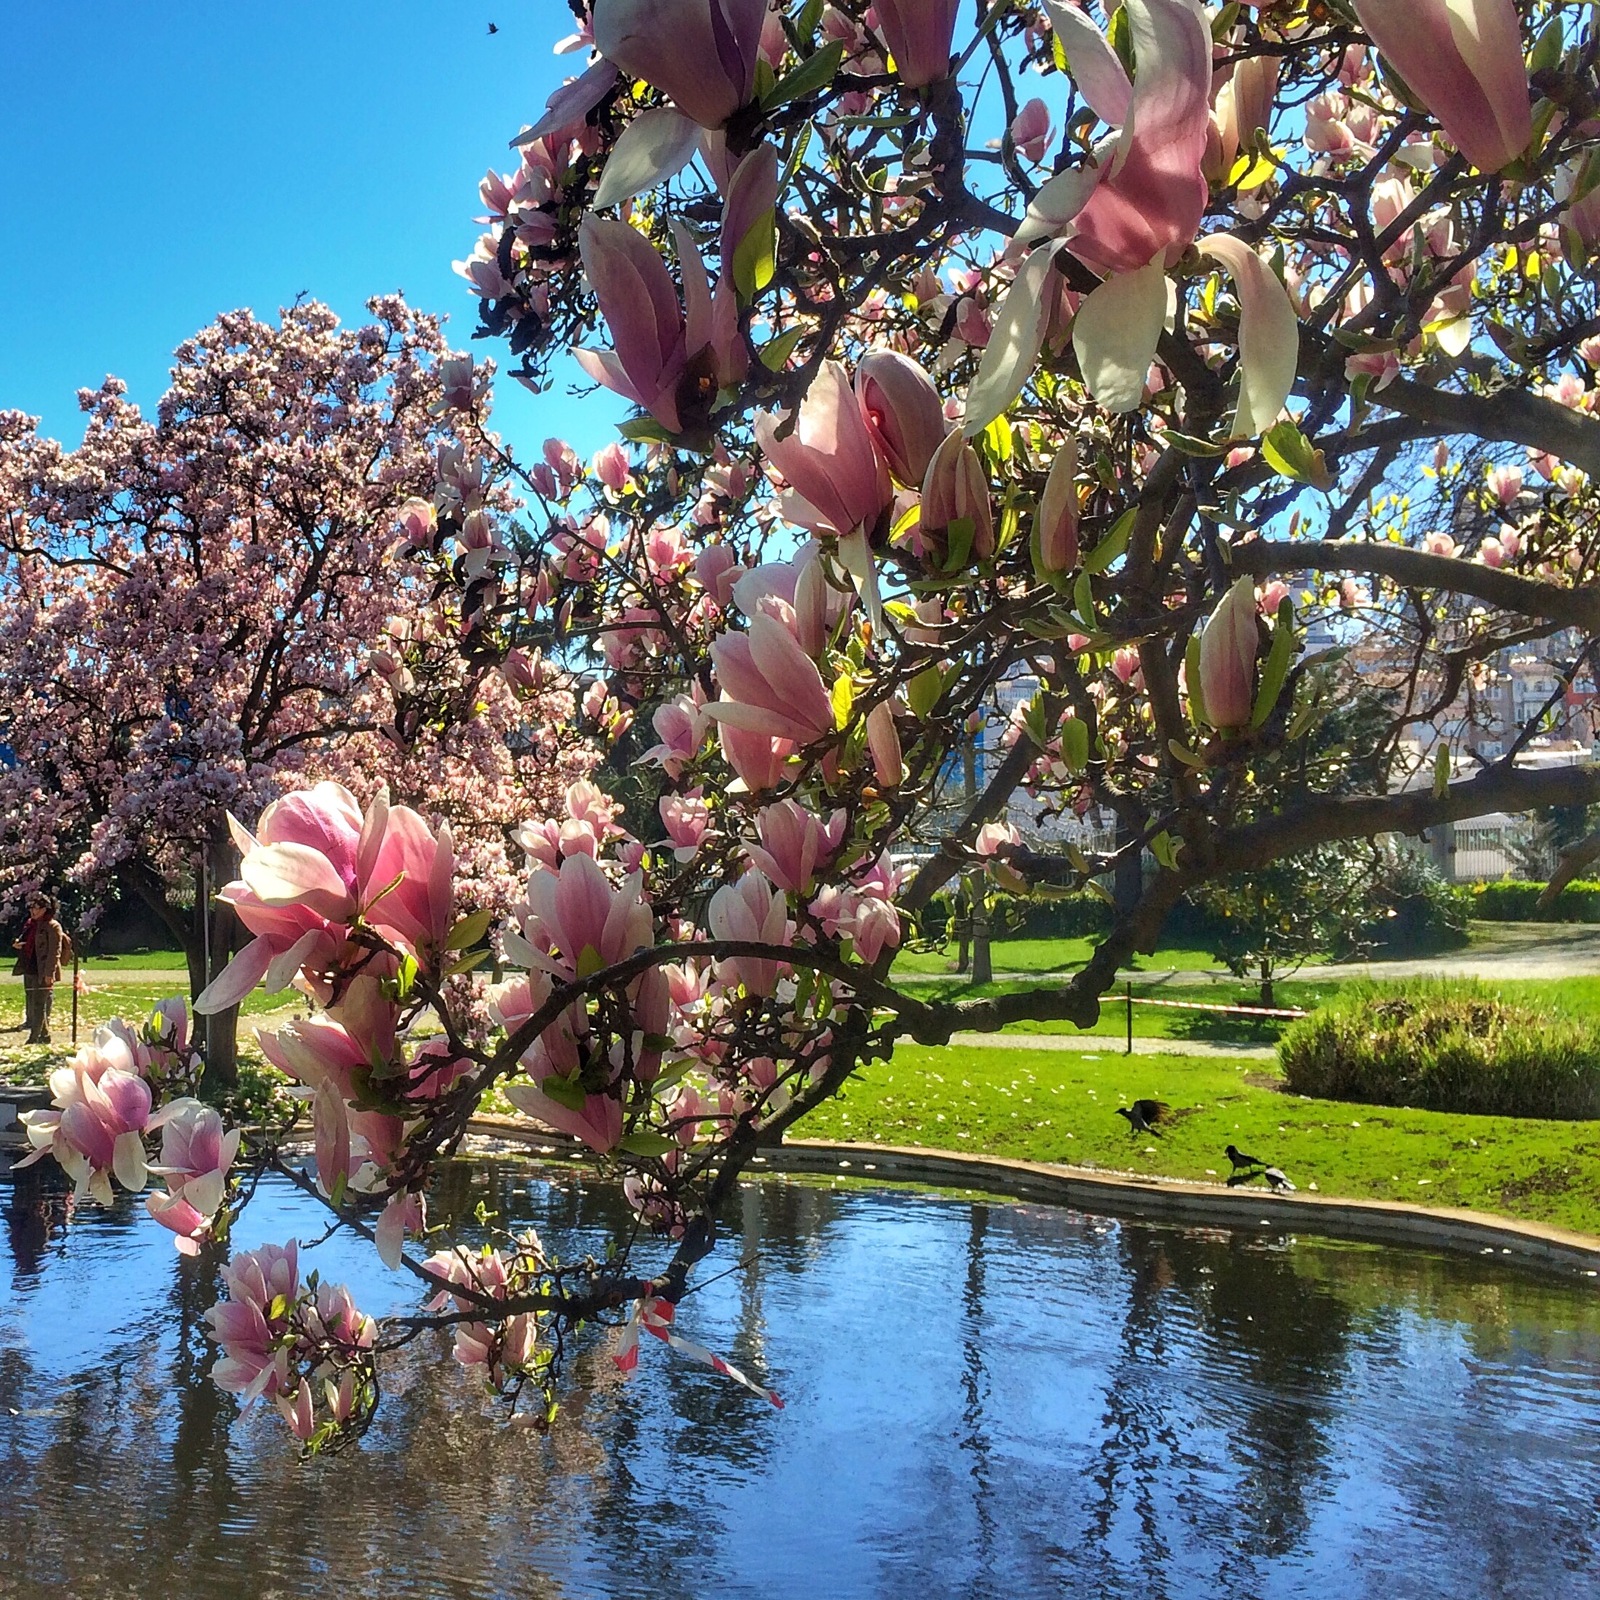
<point>983,1399</point>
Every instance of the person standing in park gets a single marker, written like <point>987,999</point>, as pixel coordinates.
<point>39,956</point>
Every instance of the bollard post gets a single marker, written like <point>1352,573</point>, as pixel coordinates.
<point>1129,1050</point>
<point>74,996</point>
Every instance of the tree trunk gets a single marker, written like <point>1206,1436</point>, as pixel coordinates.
<point>1266,981</point>
<point>1128,882</point>
<point>977,911</point>
<point>214,928</point>
<point>217,1036</point>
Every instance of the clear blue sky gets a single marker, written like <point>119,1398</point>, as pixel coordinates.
<point>170,160</point>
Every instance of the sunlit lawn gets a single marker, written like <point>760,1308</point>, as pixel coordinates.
<point>1060,1105</point>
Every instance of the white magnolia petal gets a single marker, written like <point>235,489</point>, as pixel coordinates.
<point>1091,63</point>
<point>1269,334</point>
<point>283,874</point>
<point>1013,347</point>
<point>237,979</point>
<point>128,1161</point>
<point>1061,198</point>
<point>655,145</point>
<point>1115,334</point>
<point>206,1193</point>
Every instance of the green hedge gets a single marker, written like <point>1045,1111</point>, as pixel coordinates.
<point>1444,1044</point>
<point>1518,902</point>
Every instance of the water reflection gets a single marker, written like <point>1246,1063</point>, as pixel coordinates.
<point>983,1400</point>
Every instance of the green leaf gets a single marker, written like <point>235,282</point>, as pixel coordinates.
<point>340,1184</point>
<point>1165,851</point>
<point>1190,445</point>
<point>1441,772</point>
<point>924,690</point>
<point>805,25</point>
<point>775,356</point>
<point>1191,680</point>
<point>1113,544</point>
<point>644,430</point>
<point>844,699</point>
<point>1184,754</point>
<point>406,976</point>
<point>996,442</point>
<point>469,931</point>
<point>1083,601</point>
<point>755,260</point>
<point>1075,743</point>
<point>817,71</point>
<point>1279,659</point>
<point>644,1142</point>
<point>1288,451</point>
<point>959,534</point>
<point>468,963</point>
<point>1547,48</point>
<point>590,961</point>
<point>566,1092</point>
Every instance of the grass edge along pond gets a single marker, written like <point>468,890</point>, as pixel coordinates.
<point>1060,1105</point>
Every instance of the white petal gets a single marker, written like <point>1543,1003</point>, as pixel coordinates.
<point>1014,345</point>
<point>656,144</point>
<point>127,1161</point>
<point>1115,334</point>
<point>284,874</point>
<point>1269,334</point>
<point>1091,63</point>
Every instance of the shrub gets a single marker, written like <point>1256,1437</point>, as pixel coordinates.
<point>1518,902</point>
<point>1445,1045</point>
<point>1422,913</point>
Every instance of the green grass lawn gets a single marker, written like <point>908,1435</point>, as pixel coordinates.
<point>1050,955</point>
<point>1060,1105</point>
<point>138,961</point>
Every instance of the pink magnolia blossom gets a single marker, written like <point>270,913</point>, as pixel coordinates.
<point>700,52</point>
<point>750,911</point>
<point>686,818</point>
<point>412,877</point>
<point>795,844</point>
<point>883,745</point>
<point>1031,130</point>
<point>829,457</point>
<point>681,725</point>
<point>903,411</point>
<point>1056,524</point>
<point>770,685</point>
<point>992,836</point>
<point>96,1126</point>
<point>1463,60</point>
<point>918,34</point>
<point>262,1287</point>
<point>1228,645</point>
<point>956,488</point>
<point>578,923</point>
<point>196,1154</point>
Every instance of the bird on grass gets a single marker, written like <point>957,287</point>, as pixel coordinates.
<point>1143,1115</point>
<point>1240,1159</point>
<point>1277,1179</point>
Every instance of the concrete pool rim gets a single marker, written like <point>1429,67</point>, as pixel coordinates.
<point>1151,1199</point>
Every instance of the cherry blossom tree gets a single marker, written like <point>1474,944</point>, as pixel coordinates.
<point>1113,353</point>
<point>202,610</point>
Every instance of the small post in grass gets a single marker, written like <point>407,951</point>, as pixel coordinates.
<point>75,982</point>
<point>1129,996</point>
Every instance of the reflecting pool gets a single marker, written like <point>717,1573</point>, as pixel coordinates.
<point>984,1398</point>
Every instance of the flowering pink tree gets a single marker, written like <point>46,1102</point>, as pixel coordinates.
<point>201,610</point>
<point>1114,353</point>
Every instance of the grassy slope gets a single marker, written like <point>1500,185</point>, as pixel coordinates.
<point>1060,1106</point>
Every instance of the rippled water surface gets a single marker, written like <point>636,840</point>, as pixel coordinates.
<point>983,1399</point>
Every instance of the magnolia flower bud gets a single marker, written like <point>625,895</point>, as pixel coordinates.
<point>903,412</point>
<point>1056,522</point>
<point>1228,646</point>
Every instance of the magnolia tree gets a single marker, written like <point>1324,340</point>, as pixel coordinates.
<point>967,343</point>
<point>200,611</point>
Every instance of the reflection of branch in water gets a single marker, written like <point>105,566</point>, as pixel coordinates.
<point>975,1388</point>
<point>1140,1443</point>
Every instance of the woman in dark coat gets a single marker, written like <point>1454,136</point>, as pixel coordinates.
<point>39,964</point>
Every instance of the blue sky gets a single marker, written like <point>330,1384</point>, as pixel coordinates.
<point>167,162</point>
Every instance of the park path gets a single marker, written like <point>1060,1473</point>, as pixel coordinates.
<point>1111,1045</point>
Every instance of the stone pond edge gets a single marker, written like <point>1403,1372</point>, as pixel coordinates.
<point>1083,1189</point>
